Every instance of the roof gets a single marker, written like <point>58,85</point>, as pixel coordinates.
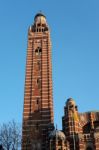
<point>39,14</point>
<point>57,134</point>
<point>70,101</point>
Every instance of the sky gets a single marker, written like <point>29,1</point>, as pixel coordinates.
<point>74,26</point>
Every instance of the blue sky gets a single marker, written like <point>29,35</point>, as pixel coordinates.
<point>74,28</point>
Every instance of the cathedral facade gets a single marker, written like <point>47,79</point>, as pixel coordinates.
<point>80,131</point>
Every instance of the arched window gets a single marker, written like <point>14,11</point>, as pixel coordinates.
<point>38,51</point>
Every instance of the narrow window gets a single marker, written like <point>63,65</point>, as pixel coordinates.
<point>39,30</point>
<point>39,83</point>
<point>36,52</point>
<point>38,65</point>
<point>39,25</point>
<point>37,101</point>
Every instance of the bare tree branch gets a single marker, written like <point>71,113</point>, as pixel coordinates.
<point>10,136</point>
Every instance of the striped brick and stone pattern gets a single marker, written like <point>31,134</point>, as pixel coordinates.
<point>81,129</point>
<point>38,99</point>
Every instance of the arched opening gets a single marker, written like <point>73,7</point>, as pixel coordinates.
<point>38,51</point>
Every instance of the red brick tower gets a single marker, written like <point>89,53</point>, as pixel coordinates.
<point>38,101</point>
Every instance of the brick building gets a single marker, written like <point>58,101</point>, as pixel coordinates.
<point>38,100</point>
<point>80,131</point>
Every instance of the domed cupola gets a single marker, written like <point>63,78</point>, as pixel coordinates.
<point>70,101</point>
<point>40,23</point>
<point>40,19</point>
<point>57,140</point>
<point>57,134</point>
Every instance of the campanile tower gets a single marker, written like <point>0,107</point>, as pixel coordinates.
<point>38,100</point>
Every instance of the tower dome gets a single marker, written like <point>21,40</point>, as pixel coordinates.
<point>40,18</point>
<point>70,101</point>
